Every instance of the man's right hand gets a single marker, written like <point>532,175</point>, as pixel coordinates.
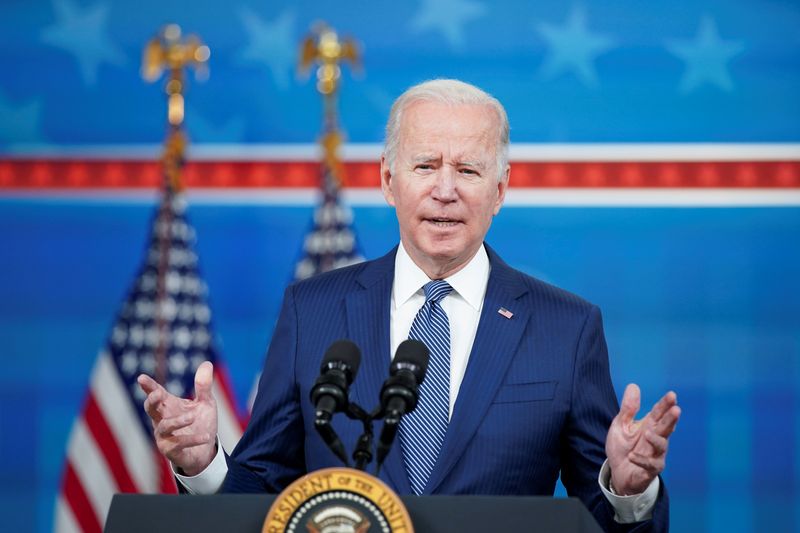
<point>185,430</point>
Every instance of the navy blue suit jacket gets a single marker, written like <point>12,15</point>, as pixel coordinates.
<point>536,398</point>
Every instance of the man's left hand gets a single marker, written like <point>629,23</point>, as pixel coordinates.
<point>637,449</point>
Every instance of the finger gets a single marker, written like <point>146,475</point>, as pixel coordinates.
<point>168,426</point>
<point>658,443</point>
<point>630,403</point>
<point>203,382</point>
<point>663,405</point>
<point>147,384</point>
<point>160,403</point>
<point>172,446</point>
<point>153,403</point>
<point>667,424</point>
<point>651,465</point>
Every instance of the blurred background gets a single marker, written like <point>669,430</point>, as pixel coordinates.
<point>655,172</point>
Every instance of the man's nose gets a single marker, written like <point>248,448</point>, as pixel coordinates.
<point>444,189</point>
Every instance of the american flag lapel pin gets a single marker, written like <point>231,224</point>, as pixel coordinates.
<point>505,312</point>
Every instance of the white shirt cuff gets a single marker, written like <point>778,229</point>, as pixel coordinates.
<point>628,509</point>
<point>209,480</point>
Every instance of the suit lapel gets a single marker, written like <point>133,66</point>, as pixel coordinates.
<point>368,314</point>
<point>496,342</point>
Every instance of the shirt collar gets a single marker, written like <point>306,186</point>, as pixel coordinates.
<point>470,282</point>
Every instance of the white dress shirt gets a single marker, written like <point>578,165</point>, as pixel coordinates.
<point>463,307</point>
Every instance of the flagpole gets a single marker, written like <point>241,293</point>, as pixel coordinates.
<point>322,47</point>
<point>166,316</point>
<point>167,51</point>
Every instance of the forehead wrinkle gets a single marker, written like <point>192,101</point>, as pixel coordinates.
<point>426,156</point>
<point>476,163</point>
<point>423,142</point>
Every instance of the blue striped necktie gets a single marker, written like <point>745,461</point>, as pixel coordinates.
<point>422,431</point>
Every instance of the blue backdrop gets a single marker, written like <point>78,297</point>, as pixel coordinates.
<point>704,301</point>
<point>589,71</point>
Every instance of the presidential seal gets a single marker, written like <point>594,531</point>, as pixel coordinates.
<point>338,500</point>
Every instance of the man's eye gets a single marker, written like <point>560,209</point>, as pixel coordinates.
<point>424,167</point>
<point>469,171</point>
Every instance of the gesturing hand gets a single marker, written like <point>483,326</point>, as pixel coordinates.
<point>185,430</point>
<point>637,449</point>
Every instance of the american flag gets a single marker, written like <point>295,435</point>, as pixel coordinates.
<point>164,330</point>
<point>331,242</point>
<point>505,312</point>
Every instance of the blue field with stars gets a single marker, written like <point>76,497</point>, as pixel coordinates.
<point>593,71</point>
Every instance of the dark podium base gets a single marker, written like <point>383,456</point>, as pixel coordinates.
<point>134,513</point>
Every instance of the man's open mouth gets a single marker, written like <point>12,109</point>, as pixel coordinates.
<point>443,222</point>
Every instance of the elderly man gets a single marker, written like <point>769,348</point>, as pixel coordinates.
<point>518,388</point>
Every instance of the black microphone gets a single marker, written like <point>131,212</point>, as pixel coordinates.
<point>329,394</point>
<point>399,392</point>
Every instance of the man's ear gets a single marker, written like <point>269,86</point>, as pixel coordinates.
<point>502,187</point>
<point>386,181</point>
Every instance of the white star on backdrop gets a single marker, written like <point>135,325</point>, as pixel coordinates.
<point>82,33</point>
<point>147,364</point>
<point>182,338</point>
<point>271,43</point>
<point>447,17</point>
<point>706,58</point>
<point>572,48</point>
<point>175,387</point>
<point>178,363</point>
<point>130,363</point>
<point>20,123</point>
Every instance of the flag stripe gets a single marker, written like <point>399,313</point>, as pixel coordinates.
<point>222,385</point>
<point>82,508</point>
<point>228,428</point>
<point>166,483</point>
<point>107,445</point>
<point>91,469</point>
<point>114,402</point>
<point>65,519</point>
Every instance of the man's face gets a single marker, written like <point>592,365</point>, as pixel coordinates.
<point>445,186</point>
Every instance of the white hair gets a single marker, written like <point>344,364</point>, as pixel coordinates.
<point>451,92</point>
